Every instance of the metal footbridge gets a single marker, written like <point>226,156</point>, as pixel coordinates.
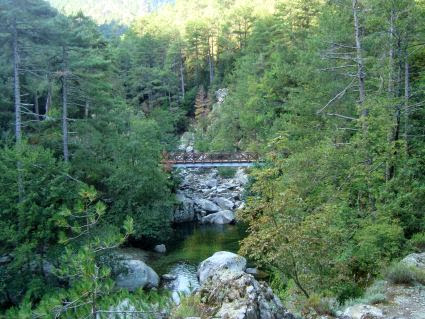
<point>193,159</point>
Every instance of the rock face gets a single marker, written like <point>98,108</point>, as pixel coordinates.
<point>415,260</point>
<point>136,274</point>
<point>230,293</point>
<point>205,192</point>
<point>362,312</point>
<point>219,261</point>
<point>221,218</point>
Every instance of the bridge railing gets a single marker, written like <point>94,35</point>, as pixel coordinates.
<point>188,158</point>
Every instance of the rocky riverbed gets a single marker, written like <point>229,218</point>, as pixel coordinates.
<point>205,196</point>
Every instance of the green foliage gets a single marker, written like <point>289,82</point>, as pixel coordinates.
<point>137,182</point>
<point>28,229</point>
<point>374,294</point>
<point>89,280</point>
<point>376,245</point>
<point>400,273</point>
<point>418,242</point>
<point>341,192</point>
<point>226,172</point>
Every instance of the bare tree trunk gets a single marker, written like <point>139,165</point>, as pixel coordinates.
<point>49,98</point>
<point>18,122</point>
<point>65,105</point>
<point>211,59</point>
<point>389,170</point>
<point>17,88</point>
<point>87,109</point>
<point>359,58</point>
<point>36,106</point>
<point>400,67</point>
<point>391,55</point>
<point>406,94</point>
<point>182,76</point>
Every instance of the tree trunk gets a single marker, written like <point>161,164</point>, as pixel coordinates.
<point>406,94</point>
<point>87,109</point>
<point>391,55</point>
<point>17,94</point>
<point>211,60</point>
<point>49,98</point>
<point>17,88</point>
<point>182,76</point>
<point>36,106</point>
<point>399,68</point>
<point>65,105</point>
<point>389,170</point>
<point>359,58</point>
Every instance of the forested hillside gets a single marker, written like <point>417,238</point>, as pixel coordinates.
<point>122,11</point>
<point>329,93</point>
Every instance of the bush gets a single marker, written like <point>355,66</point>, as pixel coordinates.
<point>374,294</point>
<point>320,305</point>
<point>226,172</point>
<point>418,242</point>
<point>405,275</point>
<point>376,245</point>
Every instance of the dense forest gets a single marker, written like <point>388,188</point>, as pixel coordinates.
<point>330,93</point>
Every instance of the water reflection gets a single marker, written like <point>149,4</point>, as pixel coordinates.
<point>190,245</point>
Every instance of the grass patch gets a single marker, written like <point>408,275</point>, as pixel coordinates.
<point>190,306</point>
<point>405,275</point>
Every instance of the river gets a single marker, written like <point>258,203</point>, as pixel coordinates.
<point>190,244</point>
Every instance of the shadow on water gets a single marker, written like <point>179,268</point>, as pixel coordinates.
<point>192,243</point>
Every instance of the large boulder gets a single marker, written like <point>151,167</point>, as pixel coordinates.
<point>224,203</point>
<point>232,294</point>
<point>220,218</point>
<point>160,249</point>
<point>219,261</point>
<point>241,177</point>
<point>415,260</point>
<point>206,205</point>
<point>185,212</point>
<point>135,274</point>
<point>361,311</point>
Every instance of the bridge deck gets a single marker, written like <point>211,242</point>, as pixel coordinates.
<point>194,165</point>
<point>187,160</point>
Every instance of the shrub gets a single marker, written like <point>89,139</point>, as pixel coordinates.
<point>405,274</point>
<point>320,305</point>
<point>226,172</point>
<point>376,245</point>
<point>418,242</point>
<point>373,295</point>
